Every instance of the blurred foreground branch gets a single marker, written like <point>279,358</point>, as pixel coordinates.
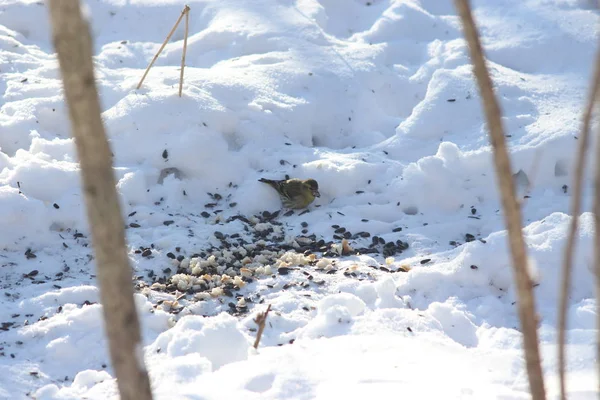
<point>512,212</point>
<point>596,210</point>
<point>584,139</point>
<point>73,43</point>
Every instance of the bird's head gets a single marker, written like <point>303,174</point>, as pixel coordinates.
<point>313,186</point>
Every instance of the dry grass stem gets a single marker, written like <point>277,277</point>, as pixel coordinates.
<point>185,38</point>
<point>183,12</point>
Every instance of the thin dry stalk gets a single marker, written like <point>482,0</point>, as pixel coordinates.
<point>183,12</point>
<point>597,250</point>
<point>512,212</point>
<point>73,43</point>
<point>565,287</point>
<point>596,209</point>
<point>187,26</point>
<point>261,321</point>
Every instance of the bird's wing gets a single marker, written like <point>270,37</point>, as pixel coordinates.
<point>277,185</point>
<point>291,189</point>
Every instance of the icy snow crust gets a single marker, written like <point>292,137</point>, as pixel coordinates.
<point>364,96</point>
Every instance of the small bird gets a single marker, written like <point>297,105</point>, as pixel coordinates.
<point>295,193</point>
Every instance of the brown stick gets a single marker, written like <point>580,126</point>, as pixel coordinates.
<point>572,235</point>
<point>184,11</point>
<point>261,320</point>
<point>185,37</point>
<point>512,212</point>
<point>596,209</point>
<point>73,43</point>
<point>597,250</point>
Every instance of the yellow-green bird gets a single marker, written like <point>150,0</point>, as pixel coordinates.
<point>295,193</point>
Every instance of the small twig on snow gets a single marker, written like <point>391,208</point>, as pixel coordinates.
<point>261,320</point>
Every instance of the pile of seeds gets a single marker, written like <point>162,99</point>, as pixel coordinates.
<point>262,249</point>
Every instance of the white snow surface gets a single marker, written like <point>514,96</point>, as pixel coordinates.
<point>374,96</point>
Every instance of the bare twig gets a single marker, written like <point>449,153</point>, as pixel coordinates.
<point>73,43</point>
<point>512,212</point>
<point>261,320</point>
<point>565,287</point>
<point>596,209</point>
<point>597,251</point>
<point>183,12</point>
<point>185,37</point>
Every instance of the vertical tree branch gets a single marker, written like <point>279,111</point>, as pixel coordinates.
<point>512,212</point>
<point>597,251</point>
<point>572,235</point>
<point>73,43</point>
<point>596,209</point>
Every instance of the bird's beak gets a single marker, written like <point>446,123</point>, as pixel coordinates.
<point>316,193</point>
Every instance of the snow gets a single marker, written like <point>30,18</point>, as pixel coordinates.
<point>373,99</point>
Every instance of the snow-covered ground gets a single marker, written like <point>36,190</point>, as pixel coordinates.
<point>375,100</point>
